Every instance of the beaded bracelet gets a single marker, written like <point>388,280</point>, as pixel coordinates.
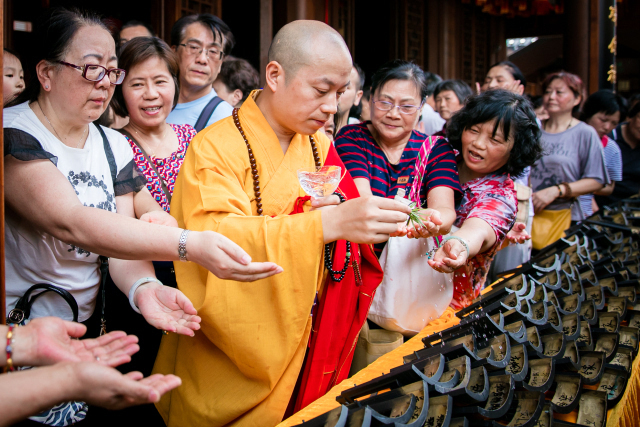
<point>9,349</point>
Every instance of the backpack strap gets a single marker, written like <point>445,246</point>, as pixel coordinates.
<point>207,112</point>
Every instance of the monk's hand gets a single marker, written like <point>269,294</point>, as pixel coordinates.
<point>225,259</point>
<point>167,308</point>
<point>449,257</point>
<point>518,234</point>
<point>49,340</point>
<point>160,218</point>
<point>106,387</point>
<point>432,221</point>
<point>367,220</point>
<point>321,202</point>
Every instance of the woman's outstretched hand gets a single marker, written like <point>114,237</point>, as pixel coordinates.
<point>225,259</point>
<point>432,221</point>
<point>167,308</point>
<point>518,234</point>
<point>449,257</point>
<point>102,386</point>
<point>49,340</point>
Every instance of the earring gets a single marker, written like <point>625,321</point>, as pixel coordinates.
<point>46,87</point>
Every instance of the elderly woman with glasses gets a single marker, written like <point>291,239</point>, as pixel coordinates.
<point>73,191</point>
<point>381,154</point>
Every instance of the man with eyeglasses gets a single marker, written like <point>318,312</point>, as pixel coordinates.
<point>201,42</point>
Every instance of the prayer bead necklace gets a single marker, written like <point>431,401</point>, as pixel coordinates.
<point>256,191</point>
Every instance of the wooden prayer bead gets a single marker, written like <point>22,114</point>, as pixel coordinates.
<point>254,167</point>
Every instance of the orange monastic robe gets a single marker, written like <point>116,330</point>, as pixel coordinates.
<point>241,368</point>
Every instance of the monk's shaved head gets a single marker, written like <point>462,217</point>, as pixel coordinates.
<point>302,43</point>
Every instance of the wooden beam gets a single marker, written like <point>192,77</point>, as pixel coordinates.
<point>594,41</point>
<point>266,35</point>
<point>576,38</point>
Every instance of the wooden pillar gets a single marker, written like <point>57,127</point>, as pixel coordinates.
<point>450,52</point>
<point>266,35</point>
<point>607,44</point>
<point>432,45</point>
<point>576,38</point>
<point>3,303</point>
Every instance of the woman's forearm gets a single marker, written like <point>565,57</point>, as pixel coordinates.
<point>125,272</point>
<point>364,186</point>
<point>119,236</point>
<point>606,190</point>
<point>143,202</point>
<point>26,393</point>
<point>478,234</point>
<point>110,234</point>
<point>585,186</point>
<point>448,216</point>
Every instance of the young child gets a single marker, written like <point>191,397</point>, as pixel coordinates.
<point>13,77</point>
<point>496,137</point>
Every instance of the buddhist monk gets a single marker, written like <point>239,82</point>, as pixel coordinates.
<point>239,178</point>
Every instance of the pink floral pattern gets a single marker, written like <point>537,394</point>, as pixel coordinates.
<point>168,167</point>
<point>491,198</point>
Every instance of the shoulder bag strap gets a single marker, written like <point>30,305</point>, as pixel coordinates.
<point>166,191</point>
<point>421,167</point>
<point>104,261</point>
<point>207,112</point>
<point>109,153</point>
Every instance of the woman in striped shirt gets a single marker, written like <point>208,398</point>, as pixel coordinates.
<point>381,154</point>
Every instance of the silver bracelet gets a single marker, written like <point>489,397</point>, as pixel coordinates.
<point>459,239</point>
<point>182,245</point>
<point>135,286</point>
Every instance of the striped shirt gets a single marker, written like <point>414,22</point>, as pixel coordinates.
<point>613,163</point>
<point>365,159</point>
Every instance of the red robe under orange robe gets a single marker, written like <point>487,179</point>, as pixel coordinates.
<point>340,312</point>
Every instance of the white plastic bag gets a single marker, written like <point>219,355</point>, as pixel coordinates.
<point>411,294</point>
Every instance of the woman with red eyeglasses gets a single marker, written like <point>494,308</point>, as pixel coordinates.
<point>73,192</point>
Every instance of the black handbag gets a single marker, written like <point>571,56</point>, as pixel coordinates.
<point>22,310</point>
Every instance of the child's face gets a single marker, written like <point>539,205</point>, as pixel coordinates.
<point>13,78</point>
<point>484,153</point>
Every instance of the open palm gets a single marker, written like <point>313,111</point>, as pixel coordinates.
<point>167,308</point>
<point>49,340</point>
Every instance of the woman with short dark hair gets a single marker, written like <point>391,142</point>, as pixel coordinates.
<point>381,154</point>
<point>505,75</point>
<point>497,137</point>
<point>450,96</point>
<point>236,80</point>
<point>602,111</point>
<point>147,95</point>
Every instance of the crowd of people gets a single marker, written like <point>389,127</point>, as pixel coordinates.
<point>186,159</point>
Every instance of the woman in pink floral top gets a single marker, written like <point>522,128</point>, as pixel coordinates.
<point>147,95</point>
<point>168,167</point>
<point>496,137</point>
